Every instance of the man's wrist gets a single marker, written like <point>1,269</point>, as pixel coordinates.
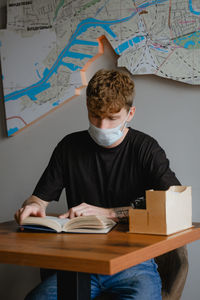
<point>120,214</point>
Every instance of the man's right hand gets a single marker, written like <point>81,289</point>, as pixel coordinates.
<point>33,206</point>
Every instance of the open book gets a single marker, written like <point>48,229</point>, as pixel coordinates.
<point>83,224</point>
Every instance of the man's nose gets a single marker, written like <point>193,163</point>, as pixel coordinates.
<point>103,124</point>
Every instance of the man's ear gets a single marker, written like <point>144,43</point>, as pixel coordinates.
<point>131,113</point>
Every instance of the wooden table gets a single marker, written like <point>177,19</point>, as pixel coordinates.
<point>78,255</point>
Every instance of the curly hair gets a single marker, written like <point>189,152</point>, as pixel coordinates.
<point>109,91</point>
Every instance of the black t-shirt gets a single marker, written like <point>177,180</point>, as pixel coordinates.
<point>105,177</point>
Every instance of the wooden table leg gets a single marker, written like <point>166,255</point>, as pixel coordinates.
<point>73,285</point>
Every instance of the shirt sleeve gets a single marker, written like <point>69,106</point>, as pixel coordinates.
<point>156,170</point>
<point>50,185</point>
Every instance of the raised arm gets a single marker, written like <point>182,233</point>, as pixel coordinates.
<point>33,206</point>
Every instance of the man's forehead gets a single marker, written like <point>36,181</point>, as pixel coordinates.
<point>107,114</point>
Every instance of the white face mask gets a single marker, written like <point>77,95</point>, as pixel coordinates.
<point>107,137</point>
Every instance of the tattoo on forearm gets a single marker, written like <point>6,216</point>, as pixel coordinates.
<point>122,214</point>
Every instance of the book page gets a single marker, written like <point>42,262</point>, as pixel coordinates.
<point>48,221</point>
<point>61,222</point>
<point>95,222</point>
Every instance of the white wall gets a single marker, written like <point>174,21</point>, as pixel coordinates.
<point>165,109</point>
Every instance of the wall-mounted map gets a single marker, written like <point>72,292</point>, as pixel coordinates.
<point>47,44</point>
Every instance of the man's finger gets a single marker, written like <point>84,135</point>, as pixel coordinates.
<point>22,215</point>
<point>64,216</point>
<point>26,212</point>
<point>71,214</point>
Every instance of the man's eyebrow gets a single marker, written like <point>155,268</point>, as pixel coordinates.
<point>114,115</point>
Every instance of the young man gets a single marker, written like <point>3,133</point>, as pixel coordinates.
<point>103,170</point>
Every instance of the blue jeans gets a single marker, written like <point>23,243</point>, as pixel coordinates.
<point>140,282</point>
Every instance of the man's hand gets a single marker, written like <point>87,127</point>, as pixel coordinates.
<point>33,206</point>
<point>85,209</point>
<point>118,214</point>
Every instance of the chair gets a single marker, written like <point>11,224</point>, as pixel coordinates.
<point>173,269</point>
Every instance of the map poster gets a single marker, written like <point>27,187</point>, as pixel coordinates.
<point>48,43</point>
